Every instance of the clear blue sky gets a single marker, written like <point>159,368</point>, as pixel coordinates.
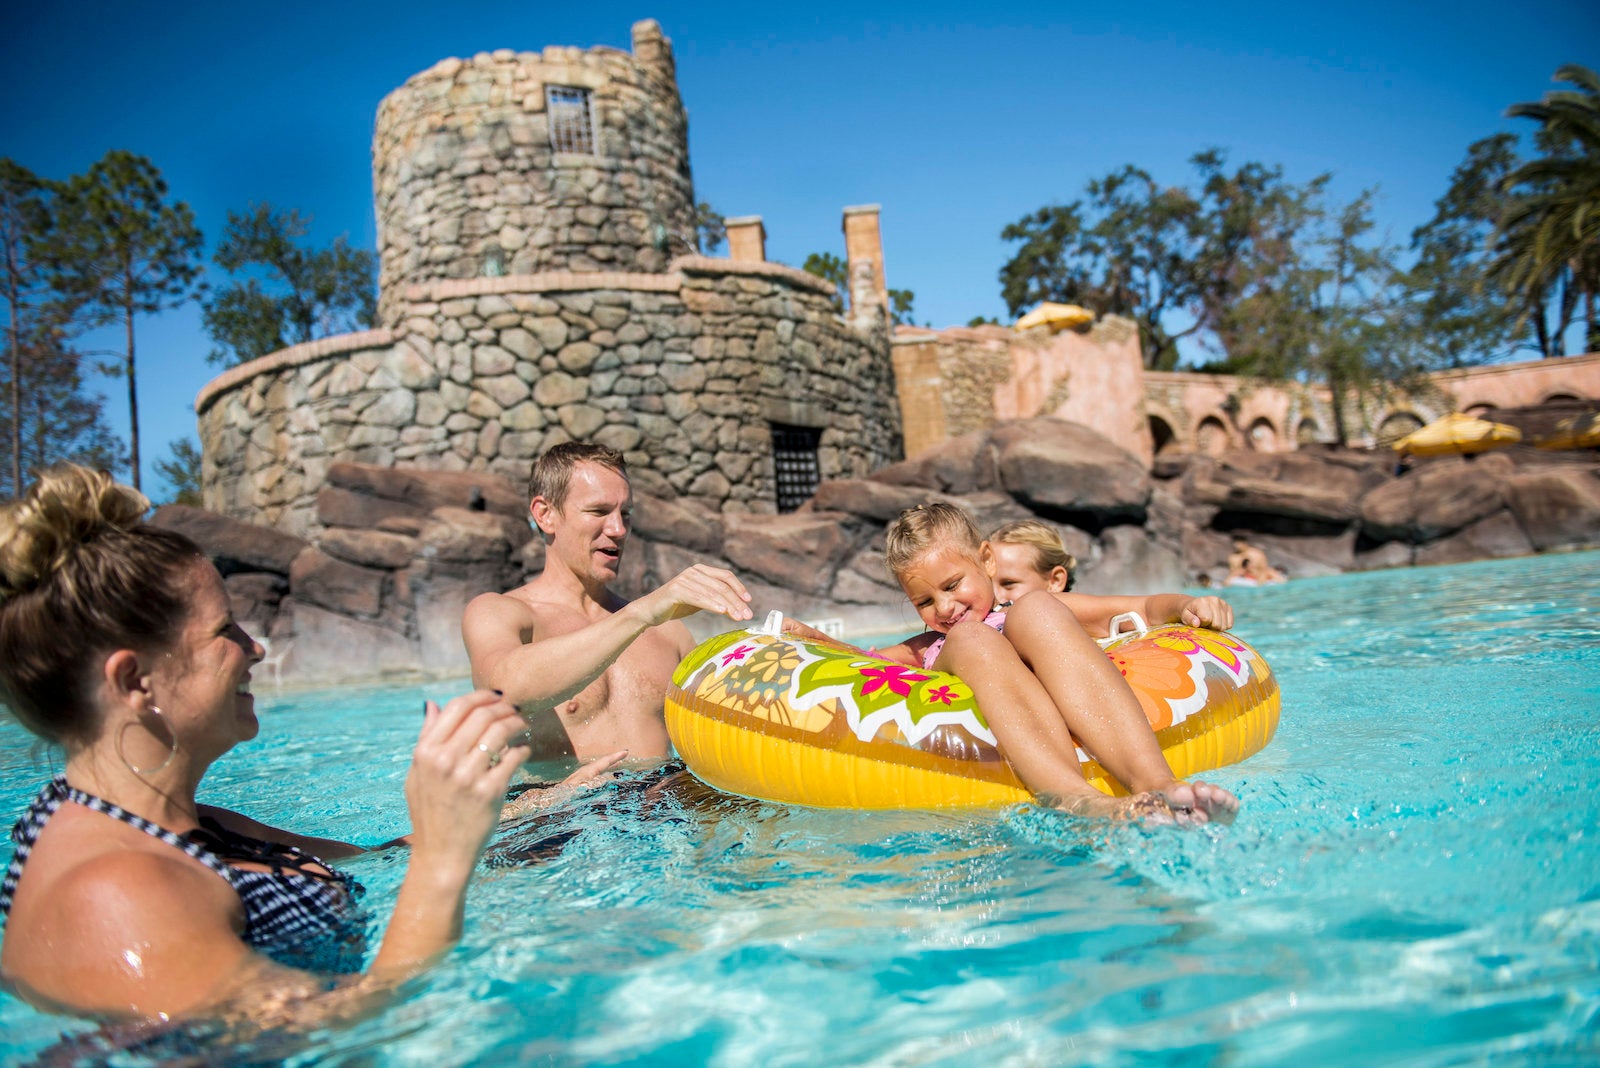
<point>956,120</point>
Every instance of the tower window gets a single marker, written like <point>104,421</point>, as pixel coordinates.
<point>794,461</point>
<point>571,119</point>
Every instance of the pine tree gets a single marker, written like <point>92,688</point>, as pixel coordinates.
<point>120,249</point>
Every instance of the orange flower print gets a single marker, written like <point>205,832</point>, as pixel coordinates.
<point>1158,674</point>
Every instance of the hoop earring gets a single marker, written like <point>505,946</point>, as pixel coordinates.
<point>172,751</point>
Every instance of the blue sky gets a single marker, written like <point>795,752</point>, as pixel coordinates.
<point>956,120</point>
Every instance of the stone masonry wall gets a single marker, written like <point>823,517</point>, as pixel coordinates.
<point>683,372</point>
<point>467,184</point>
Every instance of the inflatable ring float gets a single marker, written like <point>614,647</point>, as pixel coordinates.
<point>763,715</point>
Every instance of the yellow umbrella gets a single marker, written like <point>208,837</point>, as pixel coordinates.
<point>1573,432</point>
<point>1057,317</point>
<point>1457,433</point>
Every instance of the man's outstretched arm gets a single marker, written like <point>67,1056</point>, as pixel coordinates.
<point>543,672</point>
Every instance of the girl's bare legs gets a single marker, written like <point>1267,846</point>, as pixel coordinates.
<point>1095,702</point>
<point>1031,733</point>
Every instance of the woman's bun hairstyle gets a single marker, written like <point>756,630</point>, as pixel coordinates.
<point>81,575</point>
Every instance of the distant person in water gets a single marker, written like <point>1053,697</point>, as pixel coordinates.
<point>1037,674</point>
<point>588,669</point>
<point>1029,555</point>
<point>1248,566</point>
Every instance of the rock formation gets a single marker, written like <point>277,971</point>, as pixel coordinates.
<point>380,590</point>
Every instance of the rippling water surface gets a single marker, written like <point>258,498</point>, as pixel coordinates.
<point>1414,879</point>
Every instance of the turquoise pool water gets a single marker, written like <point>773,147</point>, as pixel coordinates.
<point>1414,879</point>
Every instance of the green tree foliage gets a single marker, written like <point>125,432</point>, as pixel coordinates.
<point>182,471</point>
<point>1128,248</point>
<point>1549,234</point>
<point>119,249</point>
<point>1251,230</point>
<point>1260,269</point>
<point>829,268</point>
<point>710,227</point>
<point>48,414</point>
<point>1462,314</point>
<point>901,309</point>
<point>301,293</point>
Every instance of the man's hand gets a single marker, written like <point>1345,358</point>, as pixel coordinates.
<point>1208,611</point>
<point>698,589</point>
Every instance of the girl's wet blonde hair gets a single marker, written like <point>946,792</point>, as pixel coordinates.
<point>916,530</point>
<point>1049,551</point>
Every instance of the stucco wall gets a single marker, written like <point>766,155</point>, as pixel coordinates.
<point>966,378</point>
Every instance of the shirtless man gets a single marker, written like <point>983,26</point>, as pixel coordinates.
<point>587,669</point>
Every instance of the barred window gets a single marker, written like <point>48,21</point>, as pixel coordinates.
<point>794,459</point>
<point>571,120</point>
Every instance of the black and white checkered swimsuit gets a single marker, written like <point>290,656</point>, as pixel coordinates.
<point>297,916</point>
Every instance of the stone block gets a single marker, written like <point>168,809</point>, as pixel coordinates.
<point>796,551</point>
<point>316,578</point>
<point>368,548</point>
<point>233,546</point>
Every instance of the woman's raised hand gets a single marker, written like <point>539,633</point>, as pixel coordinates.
<point>464,759</point>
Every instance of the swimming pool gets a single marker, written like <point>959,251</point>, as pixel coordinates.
<point>1414,878</point>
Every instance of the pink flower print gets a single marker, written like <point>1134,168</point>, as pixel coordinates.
<point>897,677</point>
<point>941,694</point>
<point>738,654</point>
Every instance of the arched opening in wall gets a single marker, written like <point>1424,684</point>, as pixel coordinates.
<point>1263,436</point>
<point>796,472</point>
<point>1396,426</point>
<point>1561,398</point>
<point>1161,433</point>
<point>1211,436</point>
<point>1477,411</point>
<point>1307,432</point>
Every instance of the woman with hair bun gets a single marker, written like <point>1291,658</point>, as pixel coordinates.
<point>126,896</point>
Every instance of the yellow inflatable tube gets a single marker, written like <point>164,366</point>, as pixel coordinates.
<point>807,723</point>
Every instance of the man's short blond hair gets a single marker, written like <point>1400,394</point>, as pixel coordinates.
<point>552,472</point>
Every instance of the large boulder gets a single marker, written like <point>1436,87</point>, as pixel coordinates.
<point>233,546</point>
<point>368,548</point>
<point>331,646</point>
<point>964,464</point>
<point>255,597</point>
<point>421,491</point>
<point>1493,536</point>
<point>800,551</point>
<point>328,582</point>
<point>1058,467</point>
<point>869,498</point>
<point>676,523</point>
<point>1435,500</point>
<point>1130,562</point>
<point>1558,508</point>
<point>460,535</point>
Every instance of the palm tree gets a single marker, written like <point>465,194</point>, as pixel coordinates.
<point>1549,233</point>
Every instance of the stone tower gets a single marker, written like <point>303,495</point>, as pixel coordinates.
<point>516,163</point>
<point>540,283</point>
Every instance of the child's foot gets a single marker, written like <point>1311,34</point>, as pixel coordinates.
<point>1198,802</point>
<point>1151,807</point>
